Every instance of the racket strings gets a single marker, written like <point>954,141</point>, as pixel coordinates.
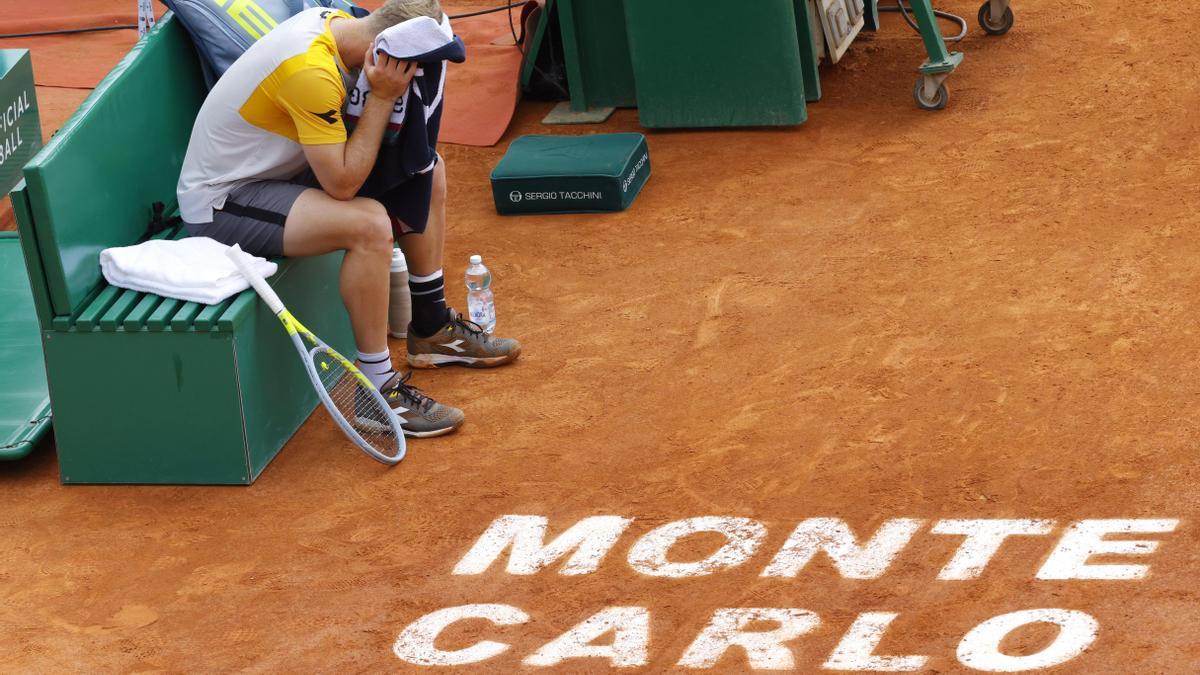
<point>352,399</point>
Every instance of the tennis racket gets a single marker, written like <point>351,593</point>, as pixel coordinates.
<point>352,401</point>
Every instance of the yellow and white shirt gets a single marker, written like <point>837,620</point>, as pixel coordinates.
<point>286,90</point>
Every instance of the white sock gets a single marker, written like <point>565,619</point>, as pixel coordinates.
<point>427,278</point>
<point>377,367</point>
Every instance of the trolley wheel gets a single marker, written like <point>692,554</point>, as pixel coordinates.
<point>985,20</point>
<point>939,99</point>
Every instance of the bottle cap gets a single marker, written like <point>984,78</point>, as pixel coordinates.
<point>399,264</point>
<point>476,259</point>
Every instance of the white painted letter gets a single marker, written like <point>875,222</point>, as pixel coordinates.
<point>1086,539</point>
<point>764,649</point>
<point>984,537</point>
<point>980,648</point>
<point>834,537</point>
<point>855,650</point>
<point>590,539</point>
<point>631,626</point>
<point>649,554</point>
<point>415,644</point>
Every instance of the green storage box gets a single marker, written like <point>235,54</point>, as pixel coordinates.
<point>571,174</point>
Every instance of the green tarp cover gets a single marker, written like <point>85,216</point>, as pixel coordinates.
<point>24,399</point>
<point>571,174</point>
<point>703,63</point>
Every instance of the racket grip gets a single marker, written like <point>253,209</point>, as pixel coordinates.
<point>242,261</point>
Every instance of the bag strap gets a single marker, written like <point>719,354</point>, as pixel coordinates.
<point>159,224</point>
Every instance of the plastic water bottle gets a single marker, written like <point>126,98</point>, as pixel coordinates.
<point>481,306</point>
<point>399,300</point>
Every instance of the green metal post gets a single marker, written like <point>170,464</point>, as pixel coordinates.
<point>940,59</point>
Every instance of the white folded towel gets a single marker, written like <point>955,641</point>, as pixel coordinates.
<point>193,269</point>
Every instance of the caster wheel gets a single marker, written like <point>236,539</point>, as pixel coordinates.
<point>938,101</point>
<point>1000,28</point>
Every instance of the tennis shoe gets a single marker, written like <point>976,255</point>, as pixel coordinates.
<point>461,343</point>
<point>420,415</point>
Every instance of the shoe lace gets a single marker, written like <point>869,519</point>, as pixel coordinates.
<point>472,328</point>
<point>420,402</point>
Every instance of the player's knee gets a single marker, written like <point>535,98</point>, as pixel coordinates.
<point>374,226</point>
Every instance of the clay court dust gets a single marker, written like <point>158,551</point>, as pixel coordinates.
<point>989,312</point>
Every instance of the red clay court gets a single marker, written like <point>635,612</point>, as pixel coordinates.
<point>885,316</point>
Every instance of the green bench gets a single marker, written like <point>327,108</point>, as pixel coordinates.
<point>146,389</point>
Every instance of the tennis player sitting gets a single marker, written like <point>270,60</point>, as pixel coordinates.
<point>274,115</point>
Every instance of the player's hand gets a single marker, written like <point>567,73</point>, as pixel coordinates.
<point>388,77</point>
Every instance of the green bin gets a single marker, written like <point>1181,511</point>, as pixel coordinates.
<point>702,63</point>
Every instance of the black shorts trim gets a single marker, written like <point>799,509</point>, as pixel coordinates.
<point>254,212</point>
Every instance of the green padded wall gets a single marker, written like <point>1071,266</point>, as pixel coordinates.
<point>123,157</point>
<point>704,63</point>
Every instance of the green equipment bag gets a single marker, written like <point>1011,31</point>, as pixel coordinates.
<point>571,174</point>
